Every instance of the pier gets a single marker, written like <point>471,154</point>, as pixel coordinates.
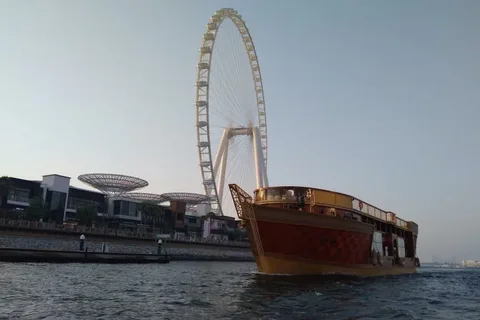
<point>61,256</point>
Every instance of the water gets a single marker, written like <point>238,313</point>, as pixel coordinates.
<point>214,290</point>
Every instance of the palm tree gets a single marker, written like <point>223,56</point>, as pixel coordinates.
<point>152,211</point>
<point>36,209</point>
<point>208,216</point>
<point>5,186</point>
<point>86,215</point>
<point>211,215</point>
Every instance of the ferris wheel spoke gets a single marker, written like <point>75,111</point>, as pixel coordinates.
<point>227,97</point>
<point>239,165</point>
<point>225,106</point>
<point>231,75</point>
<point>238,168</point>
<point>231,167</point>
<point>242,74</point>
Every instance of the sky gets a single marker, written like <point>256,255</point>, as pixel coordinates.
<point>377,99</point>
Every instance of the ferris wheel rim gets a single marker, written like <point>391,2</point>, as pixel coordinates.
<point>202,97</point>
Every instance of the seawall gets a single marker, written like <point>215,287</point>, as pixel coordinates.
<point>178,251</point>
<point>42,228</point>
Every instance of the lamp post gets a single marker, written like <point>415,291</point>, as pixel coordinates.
<point>82,243</point>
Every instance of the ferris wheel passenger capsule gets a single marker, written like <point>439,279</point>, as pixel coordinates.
<point>208,36</point>
<point>202,65</point>
<point>205,50</point>
<point>215,18</point>
<point>202,83</point>
<point>208,182</point>
<point>212,26</point>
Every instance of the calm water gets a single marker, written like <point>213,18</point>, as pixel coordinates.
<point>194,290</point>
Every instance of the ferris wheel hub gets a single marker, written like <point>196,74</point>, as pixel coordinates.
<point>240,131</point>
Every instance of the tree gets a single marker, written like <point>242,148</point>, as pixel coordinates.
<point>36,209</point>
<point>211,215</point>
<point>5,186</point>
<point>86,215</point>
<point>151,211</point>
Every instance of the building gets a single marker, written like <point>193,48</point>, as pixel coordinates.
<point>82,198</point>
<point>221,228</point>
<point>470,264</point>
<point>18,194</point>
<point>61,202</point>
<point>52,190</point>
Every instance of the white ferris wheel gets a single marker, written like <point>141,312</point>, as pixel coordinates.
<point>230,111</point>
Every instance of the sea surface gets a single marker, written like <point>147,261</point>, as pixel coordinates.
<point>224,290</point>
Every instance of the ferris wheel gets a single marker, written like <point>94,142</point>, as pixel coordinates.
<point>230,110</point>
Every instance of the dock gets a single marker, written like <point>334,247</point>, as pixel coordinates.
<point>60,256</point>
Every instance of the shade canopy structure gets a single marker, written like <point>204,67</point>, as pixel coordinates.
<point>188,198</point>
<point>113,184</point>
<point>153,198</point>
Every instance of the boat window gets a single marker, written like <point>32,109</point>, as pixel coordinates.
<point>300,192</point>
<point>290,195</point>
<point>401,247</point>
<point>274,194</point>
<point>377,243</point>
<point>259,195</point>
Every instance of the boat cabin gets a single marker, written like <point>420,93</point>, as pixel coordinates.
<point>392,236</point>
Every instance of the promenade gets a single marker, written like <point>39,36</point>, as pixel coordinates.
<point>43,236</point>
<point>53,228</point>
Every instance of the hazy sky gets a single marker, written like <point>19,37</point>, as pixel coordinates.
<point>378,99</point>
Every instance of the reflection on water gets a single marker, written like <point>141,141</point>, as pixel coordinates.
<point>213,290</point>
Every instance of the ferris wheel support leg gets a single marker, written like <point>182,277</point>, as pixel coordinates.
<point>221,149</point>
<point>264,172</point>
<point>223,170</point>
<point>257,154</point>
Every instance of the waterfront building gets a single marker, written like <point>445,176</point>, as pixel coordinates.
<point>119,211</point>
<point>61,200</point>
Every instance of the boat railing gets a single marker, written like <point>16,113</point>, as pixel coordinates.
<point>401,223</point>
<point>290,196</point>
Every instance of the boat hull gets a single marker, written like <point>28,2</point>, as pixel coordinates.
<point>294,266</point>
<point>302,243</point>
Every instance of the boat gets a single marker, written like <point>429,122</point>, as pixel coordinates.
<point>308,231</point>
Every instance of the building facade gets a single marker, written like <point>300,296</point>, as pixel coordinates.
<point>61,203</point>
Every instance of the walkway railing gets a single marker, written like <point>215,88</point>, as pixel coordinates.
<point>23,224</point>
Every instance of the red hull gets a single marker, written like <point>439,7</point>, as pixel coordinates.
<point>315,243</point>
<point>296,242</point>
